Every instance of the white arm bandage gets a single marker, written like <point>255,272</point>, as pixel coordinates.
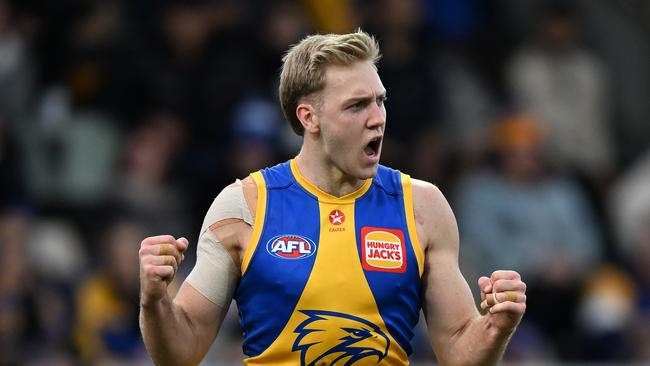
<point>215,274</point>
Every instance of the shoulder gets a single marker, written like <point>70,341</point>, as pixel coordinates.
<point>230,218</point>
<point>427,198</point>
<point>249,189</point>
<point>435,221</point>
<point>425,190</point>
<point>236,201</point>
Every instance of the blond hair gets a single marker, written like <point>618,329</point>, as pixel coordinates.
<point>303,67</point>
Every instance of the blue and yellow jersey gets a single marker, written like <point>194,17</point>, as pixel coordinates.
<point>330,280</point>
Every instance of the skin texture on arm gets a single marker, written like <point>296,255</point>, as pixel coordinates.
<point>460,335</point>
<point>181,331</point>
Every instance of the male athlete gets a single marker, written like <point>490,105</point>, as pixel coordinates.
<point>330,255</point>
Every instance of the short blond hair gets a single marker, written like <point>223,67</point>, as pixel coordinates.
<point>303,67</point>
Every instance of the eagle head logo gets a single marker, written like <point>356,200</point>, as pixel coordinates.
<point>329,338</point>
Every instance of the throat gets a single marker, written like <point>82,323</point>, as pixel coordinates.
<point>341,188</point>
<point>330,180</point>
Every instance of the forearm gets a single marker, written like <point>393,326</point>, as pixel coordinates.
<point>167,333</point>
<point>480,342</point>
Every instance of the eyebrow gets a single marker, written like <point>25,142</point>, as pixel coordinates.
<point>359,98</point>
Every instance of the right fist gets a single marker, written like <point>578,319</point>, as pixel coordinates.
<point>160,257</point>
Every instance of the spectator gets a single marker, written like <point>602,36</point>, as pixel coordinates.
<point>565,86</point>
<point>256,129</point>
<point>282,23</point>
<point>641,322</point>
<point>606,313</point>
<point>12,184</point>
<point>106,327</point>
<point>15,284</point>
<point>181,90</point>
<point>16,68</point>
<point>71,150</point>
<point>406,74</point>
<point>629,203</point>
<point>332,16</point>
<point>148,188</point>
<point>519,215</point>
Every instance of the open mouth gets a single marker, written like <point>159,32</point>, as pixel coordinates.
<point>372,149</point>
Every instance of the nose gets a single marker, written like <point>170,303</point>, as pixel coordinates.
<point>377,116</point>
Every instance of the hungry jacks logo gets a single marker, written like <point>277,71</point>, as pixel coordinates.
<point>383,250</point>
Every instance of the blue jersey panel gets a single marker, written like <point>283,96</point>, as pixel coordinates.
<point>282,261</point>
<point>397,293</point>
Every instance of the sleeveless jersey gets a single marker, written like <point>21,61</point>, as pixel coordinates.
<point>330,280</point>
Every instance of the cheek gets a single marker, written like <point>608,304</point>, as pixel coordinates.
<point>339,139</point>
<point>341,134</point>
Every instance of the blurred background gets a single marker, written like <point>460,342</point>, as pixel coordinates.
<point>122,119</point>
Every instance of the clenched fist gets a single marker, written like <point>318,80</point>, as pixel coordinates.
<point>160,257</point>
<point>503,294</point>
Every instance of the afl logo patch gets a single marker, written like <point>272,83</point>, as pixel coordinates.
<point>288,246</point>
<point>383,250</point>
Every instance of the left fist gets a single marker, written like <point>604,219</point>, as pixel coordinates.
<point>503,292</point>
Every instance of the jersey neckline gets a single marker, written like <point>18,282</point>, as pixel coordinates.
<point>322,195</point>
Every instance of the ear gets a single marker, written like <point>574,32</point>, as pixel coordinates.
<point>306,113</point>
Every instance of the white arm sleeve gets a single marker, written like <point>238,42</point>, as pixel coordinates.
<point>215,274</point>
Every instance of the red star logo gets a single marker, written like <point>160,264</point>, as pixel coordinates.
<point>337,217</point>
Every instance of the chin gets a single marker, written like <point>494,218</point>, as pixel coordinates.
<point>367,173</point>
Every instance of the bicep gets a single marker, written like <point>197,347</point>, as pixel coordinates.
<point>448,304</point>
<point>447,300</point>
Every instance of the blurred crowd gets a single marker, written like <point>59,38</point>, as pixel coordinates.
<point>122,119</point>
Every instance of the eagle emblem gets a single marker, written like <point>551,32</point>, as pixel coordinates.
<point>328,338</point>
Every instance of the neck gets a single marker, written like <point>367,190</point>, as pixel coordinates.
<point>322,173</point>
